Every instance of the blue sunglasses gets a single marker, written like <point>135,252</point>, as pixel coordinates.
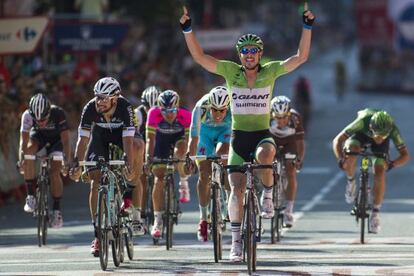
<point>253,51</point>
<point>169,110</point>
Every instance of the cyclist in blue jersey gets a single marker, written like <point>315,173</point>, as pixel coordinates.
<point>209,135</point>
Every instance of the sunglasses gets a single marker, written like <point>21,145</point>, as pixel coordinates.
<point>282,116</point>
<point>169,110</point>
<point>43,119</point>
<point>252,51</point>
<point>218,110</point>
<point>102,99</point>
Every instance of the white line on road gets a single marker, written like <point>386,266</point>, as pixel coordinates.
<point>320,195</point>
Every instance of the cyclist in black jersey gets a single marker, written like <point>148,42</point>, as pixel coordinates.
<point>148,99</point>
<point>107,118</point>
<point>44,126</point>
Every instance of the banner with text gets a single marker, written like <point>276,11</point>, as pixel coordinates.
<point>21,35</point>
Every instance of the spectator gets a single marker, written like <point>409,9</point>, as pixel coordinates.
<point>92,9</point>
<point>302,99</point>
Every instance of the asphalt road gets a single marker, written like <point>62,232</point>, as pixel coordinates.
<point>323,241</point>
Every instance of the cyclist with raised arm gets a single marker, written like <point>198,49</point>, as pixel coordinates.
<point>148,99</point>
<point>374,128</point>
<point>250,88</point>
<point>210,136</point>
<point>167,131</point>
<point>107,118</point>
<point>287,130</point>
<point>44,125</point>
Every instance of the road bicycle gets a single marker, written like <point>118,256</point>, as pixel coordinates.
<point>111,223</point>
<point>42,194</point>
<point>251,226</point>
<point>218,201</point>
<point>362,206</point>
<point>171,203</point>
<point>279,189</point>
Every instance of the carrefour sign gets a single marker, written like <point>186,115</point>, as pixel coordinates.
<point>21,35</point>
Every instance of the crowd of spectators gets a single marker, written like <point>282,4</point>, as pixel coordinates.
<point>152,54</point>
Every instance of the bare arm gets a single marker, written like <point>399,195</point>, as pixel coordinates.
<point>192,146</point>
<point>65,137</point>
<point>300,145</point>
<point>206,61</point>
<point>81,147</point>
<point>128,143</point>
<point>403,158</point>
<point>337,143</point>
<point>24,139</point>
<point>302,55</point>
<point>149,147</point>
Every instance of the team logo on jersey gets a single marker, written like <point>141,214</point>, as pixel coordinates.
<point>251,101</point>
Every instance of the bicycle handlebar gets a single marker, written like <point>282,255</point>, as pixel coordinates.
<point>36,157</point>
<point>165,161</point>
<point>210,158</point>
<point>247,165</point>
<point>94,163</point>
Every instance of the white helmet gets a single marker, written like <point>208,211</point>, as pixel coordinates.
<point>219,97</point>
<point>280,105</point>
<point>150,96</point>
<point>39,106</point>
<point>107,86</point>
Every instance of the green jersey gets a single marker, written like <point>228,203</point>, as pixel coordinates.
<point>250,107</point>
<point>361,125</point>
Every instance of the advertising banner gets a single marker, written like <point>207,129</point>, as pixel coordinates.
<point>21,35</point>
<point>89,36</point>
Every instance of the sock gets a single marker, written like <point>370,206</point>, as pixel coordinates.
<point>184,181</point>
<point>235,232</point>
<point>30,185</point>
<point>158,218</point>
<point>376,208</point>
<point>95,231</point>
<point>289,206</point>
<point>268,192</point>
<point>203,212</point>
<point>136,213</point>
<point>128,191</point>
<point>56,203</point>
<point>350,178</point>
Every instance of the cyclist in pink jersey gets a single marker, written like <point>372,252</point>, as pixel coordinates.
<point>167,133</point>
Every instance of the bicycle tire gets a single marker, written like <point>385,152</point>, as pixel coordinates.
<point>169,213</point>
<point>117,233</point>
<point>102,229</point>
<point>248,235</point>
<point>42,213</point>
<point>362,206</point>
<point>149,211</point>
<point>215,227</point>
<point>129,243</point>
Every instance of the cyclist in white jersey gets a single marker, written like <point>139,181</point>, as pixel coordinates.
<point>250,86</point>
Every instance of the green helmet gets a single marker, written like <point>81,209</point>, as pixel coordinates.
<point>381,123</point>
<point>249,39</point>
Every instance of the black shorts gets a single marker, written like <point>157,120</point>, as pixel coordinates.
<point>99,146</point>
<point>362,140</point>
<point>51,144</point>
<point>243,145</point>
<point>165,144</point>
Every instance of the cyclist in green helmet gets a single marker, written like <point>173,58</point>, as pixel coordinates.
<point>376,128</point>
<point>250,87</point>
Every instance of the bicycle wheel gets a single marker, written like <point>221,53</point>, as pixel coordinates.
<point>216,222</point>
<point>362,208</point>
<point>129,243</point>
<point>103,223</point>
<point>169,213</point>
<point>42,213</point>
<point>149,209</point>
<point>249,235</point>
<point>117,233</point>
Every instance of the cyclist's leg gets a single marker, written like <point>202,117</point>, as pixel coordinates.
<point>290,147</point>
<point>56,183</point>
<point>29,171</point>
<point>180,149</point>
<point>222,148</point>
<point>380,165</point>
<point>138,190</point>
<point>158,199</point>
<point>352,144</point>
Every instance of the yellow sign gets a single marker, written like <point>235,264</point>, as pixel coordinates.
<point>21,35</point>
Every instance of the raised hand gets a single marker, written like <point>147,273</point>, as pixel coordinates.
<point>308,16</point>
<point>185,21</point>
